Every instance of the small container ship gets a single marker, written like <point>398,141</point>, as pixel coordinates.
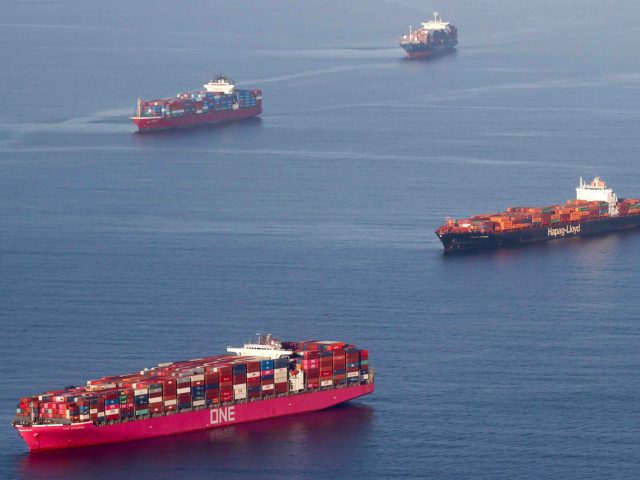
<point>433,38</point>
<point>258,381</point>
<point>595,210</point>
<point>220,101</point>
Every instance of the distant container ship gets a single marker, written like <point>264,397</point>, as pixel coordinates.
<point>596,210</point>
<point>220,101</point>
<point>259,381</point>
<point>435,37</point>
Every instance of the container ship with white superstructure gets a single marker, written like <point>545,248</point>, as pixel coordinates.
<point>433,38</point>
<point>595,210</point>
<point>220,101</point>
<point>259,381</point>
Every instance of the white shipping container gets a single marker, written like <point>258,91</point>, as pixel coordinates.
<point>142,391</point>
<point>197,378</point>
<point>239,395</point>
<point>198,403</point>
<point>93,411</point>
<point>267,387</point>
<point>326,383</point>
<point>184,390</point>
<point>240,387</point>
<point>352,374</point>
<point>365,376</point>
<point>168,403</point>
<point>280,370</point>
<point>155,400</point>
<point>84,417</point>
<point>253,374</point>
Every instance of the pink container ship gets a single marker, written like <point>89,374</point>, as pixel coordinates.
<point>259,381</point>
<point>220,101</point>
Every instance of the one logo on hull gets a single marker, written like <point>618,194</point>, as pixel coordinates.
<point>222,415</point>
<point>562,231</point>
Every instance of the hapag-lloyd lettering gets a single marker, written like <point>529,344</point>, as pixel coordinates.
<point>222,415</point>
<point>562,231</point>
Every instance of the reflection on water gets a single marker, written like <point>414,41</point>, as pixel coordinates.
<point>294,442</point>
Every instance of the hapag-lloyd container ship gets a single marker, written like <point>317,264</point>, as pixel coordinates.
<point>433,38</point>
<point>258,381</point>
<point>220,101</point>
<point>596,210</point>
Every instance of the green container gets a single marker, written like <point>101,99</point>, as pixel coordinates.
<point>142,412</point>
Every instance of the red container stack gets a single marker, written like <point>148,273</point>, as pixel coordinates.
<point>352,357</point>
<point>266,378</point>
<point>254,389</point>
<point>311,366</point>
<point>226,385</point>
<point>326,368</point>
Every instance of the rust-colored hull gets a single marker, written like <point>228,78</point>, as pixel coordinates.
<point>147,124</point>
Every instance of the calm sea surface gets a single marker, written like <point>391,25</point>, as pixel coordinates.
<point>119,251</point>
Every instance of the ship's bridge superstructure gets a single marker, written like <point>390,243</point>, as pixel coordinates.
<point>597,191</point>
<point>220,84</point>
<point>435,24</point>
<point>267,346</point>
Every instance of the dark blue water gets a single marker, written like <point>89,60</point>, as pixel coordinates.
<point>119,251</point>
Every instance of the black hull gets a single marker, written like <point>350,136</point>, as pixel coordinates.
<point>460,242</point>
<point>419,50</point>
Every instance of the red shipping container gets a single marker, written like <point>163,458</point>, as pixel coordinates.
<point>225,374</point>
<point>253,382</point>
<point>211,378</point>
<point>253,367</point>
<point>310,355</point>
<point>282,387</point>
<point>240,380</point>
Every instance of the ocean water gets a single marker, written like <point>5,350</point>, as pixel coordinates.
<point>119,251</point>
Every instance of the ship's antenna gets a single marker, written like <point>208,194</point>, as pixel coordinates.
<point>435,16</point>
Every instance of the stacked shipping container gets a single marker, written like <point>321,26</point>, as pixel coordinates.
<point>197,103</point>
